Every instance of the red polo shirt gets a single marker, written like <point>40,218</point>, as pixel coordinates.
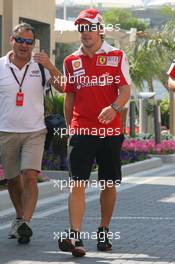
<point>95,82</point>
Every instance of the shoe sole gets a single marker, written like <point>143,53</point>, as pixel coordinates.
<point>66,246</point>
<point>101,248</point>
<point>24,233</point>
<point>12,237</point>
<point>78,253</point>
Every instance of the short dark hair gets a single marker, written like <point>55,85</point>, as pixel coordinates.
<point>100,26</point>
<point>25,27</point>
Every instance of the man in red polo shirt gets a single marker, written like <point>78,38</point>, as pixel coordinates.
<point>171,74</point>
<point>97,87</point>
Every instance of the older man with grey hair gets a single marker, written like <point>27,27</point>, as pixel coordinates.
<point>22,126</point>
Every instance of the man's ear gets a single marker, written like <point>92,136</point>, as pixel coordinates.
<point>101,30</point>
<point>11,38</point>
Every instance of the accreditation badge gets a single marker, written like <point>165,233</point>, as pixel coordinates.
<point>19,99</point>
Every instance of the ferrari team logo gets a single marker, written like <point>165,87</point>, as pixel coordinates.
<point>101,60</point>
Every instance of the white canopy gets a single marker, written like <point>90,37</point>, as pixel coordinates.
<point>66,32</point>
<point>105,3</point>
<point>160,2</point>
<point>117,3</point>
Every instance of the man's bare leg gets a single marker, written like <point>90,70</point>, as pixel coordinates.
<point>15,189</point>
<point>76,205</point>
<point>30,193</point>
<point>107,201</point>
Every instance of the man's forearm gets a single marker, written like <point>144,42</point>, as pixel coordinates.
<point>171,83</point>
<point>124,95</point>
<point>68,108</point>
<point>56,76</point>
<point>56,79</point>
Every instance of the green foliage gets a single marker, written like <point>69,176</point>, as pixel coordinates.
<point>63,51</point>
<point>165,111</point>
<point>164,105</point>
<point>53,158</point>
<point>54,105</point>
<point>124,18</point>
<point>150,57</point>
<point>167,11</point>
<point>140,67</point>
<point>145,62</point>
<point>149,107</point>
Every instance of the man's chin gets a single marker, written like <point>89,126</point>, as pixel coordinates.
<point>23,55</point>
<point>172,89</point>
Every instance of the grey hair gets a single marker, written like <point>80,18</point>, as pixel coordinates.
<point>25,27</point>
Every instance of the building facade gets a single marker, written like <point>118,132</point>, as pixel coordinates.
<point>39,13</point>
<point>1,10</point>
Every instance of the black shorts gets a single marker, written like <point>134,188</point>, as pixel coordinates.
<point>83,150</point>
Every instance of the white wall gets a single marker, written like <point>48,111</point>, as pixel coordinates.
<point>39,10</point>
<point>1,6</point>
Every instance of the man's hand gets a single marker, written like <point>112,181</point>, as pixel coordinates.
<point>107,115</point>
<point>43,58</point>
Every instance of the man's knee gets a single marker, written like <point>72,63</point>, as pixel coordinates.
<point>30,176</point>
<point>14,180</point>
<point>107,186</point>
<point>78,187</point>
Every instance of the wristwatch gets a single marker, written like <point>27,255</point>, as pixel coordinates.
<point>116,107</point>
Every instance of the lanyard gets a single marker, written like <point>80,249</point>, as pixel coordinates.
<point>20,84</point>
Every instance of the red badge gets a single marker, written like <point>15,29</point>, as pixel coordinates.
<point>19,99</point>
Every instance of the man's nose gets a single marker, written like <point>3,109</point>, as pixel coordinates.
<point>86,32</point>
<point>24,44</point>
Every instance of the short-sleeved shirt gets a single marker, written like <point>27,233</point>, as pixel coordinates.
<point>171,71</point>
<point>95,82</point>
<point>30,116</point>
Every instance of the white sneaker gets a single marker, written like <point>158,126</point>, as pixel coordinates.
<point>14,226</point>
<point>24,232</point>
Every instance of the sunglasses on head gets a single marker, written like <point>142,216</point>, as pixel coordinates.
<point>87,27</point>
<point>22,40</point>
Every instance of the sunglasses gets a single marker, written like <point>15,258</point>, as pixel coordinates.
<point>87,27</point>
<point>22,40</point>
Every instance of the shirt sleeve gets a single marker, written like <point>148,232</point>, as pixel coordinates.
<point>69,86</point>
<point>124,76</point>
<point>171,71</point>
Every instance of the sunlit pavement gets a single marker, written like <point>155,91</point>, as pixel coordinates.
<point>144,219</point>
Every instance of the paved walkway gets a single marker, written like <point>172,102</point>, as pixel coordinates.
<point>144,219</point>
